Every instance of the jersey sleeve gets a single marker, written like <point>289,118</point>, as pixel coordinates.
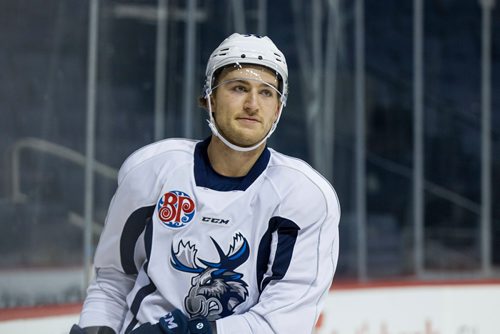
<point>105,304</point>
<point>292,298</point>
<point>120,252</point>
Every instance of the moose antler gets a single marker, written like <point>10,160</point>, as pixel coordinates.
<point>239,244</point>
<point>238,253</point>
<point>185,258</point>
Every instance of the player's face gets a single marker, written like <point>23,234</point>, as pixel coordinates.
<point>246,103</point>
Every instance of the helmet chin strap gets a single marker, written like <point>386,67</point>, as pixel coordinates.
<point>215,131</point>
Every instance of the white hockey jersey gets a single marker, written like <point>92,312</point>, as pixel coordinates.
<point>255,253</point>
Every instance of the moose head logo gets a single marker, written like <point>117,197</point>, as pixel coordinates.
<point>217,288</point>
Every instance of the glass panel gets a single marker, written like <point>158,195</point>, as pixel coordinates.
<point>42,103</point>
<point>389,112</point>
<point>495,126</point>
<point>43,124</point>
<point>452,130</point>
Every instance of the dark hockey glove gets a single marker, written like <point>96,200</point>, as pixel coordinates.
<point>176,322</point>
<point>91,330</point>
<point>147,328</point>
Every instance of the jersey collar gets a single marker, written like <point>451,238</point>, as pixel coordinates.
<point>206,176</point>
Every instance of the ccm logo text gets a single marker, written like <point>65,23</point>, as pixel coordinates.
<point>215,220</point>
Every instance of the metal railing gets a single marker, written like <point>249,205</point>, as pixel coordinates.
<point>56,150</point>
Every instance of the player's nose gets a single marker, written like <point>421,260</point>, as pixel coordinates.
<point>251,101</point>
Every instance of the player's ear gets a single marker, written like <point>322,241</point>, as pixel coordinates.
<point>203,101</point>
<point>211,100</point>
<point>277,112</point>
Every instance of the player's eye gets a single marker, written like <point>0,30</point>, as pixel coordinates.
<point>240,89</point>
<point>267,92</point>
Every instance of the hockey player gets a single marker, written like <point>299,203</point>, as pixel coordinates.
<point>224,235</point>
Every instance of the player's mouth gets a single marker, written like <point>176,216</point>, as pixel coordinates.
<point>248,120</point>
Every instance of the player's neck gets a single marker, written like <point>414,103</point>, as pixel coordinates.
<point>229,162</point>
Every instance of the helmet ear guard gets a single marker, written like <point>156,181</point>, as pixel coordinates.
<point>240,49</point>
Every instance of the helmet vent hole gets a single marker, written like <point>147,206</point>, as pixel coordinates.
<point>260,57</point>
<point>243,55</point>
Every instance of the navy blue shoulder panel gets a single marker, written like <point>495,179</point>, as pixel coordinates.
<point>287,235</point>
<point>133,228</point>
<point>147,289</point>
<point>206,176</point>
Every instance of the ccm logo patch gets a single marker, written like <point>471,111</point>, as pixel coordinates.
<point>215,220</point>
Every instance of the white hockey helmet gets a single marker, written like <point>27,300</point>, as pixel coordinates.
<point>248,49</point>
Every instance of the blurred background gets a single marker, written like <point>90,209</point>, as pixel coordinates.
<point>395,102</point>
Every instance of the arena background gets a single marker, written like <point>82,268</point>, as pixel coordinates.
<point>395,102</point>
